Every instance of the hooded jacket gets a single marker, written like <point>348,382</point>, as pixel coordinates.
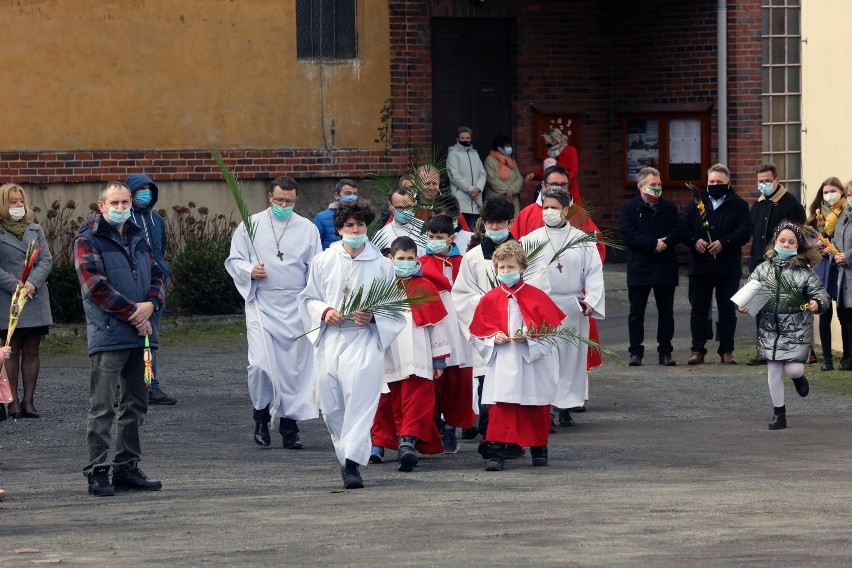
<point>785,333</point>
<point>766,214</point>
<point>466,171</point>
<point>152,223</point>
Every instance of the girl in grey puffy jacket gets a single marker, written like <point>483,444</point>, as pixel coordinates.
<point>785,331</point>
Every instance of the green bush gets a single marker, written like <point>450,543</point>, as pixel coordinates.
<point>199,283</point>
<point>66,304</point>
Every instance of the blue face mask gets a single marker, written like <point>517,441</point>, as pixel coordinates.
<point>355,241</point>
<point>507,151</point>
<point>509,278</point>
<point>281,212</point>
<point>348,198</point>
<point>436,246</point>
<point>765,188</point>
<point>117,216</point>
<point>404,268</point>
<point>143,197</point>
<point>498,236</point>
<point>785,254</point>
<point>403,217</point>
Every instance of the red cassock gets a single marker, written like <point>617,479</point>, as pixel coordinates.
<point>530,219</point>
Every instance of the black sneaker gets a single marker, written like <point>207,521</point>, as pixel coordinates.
<point>539,455</point>
<point>134,480</point>
<point>99,482</point>
<point>470,433</point>
<point>351,476</point>
<point>159,396</point>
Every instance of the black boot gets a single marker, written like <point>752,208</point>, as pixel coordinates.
<point>351,476</point>
<point>134,480</point>
<point>802,386</point>
<point>779,418</point>
<point>565,419</point>
<point>827,364</point>
<point>539,455</point>
<point>407,453</point>
<point>496,456</point>
<point>99,484</point>
<point>261,434</point>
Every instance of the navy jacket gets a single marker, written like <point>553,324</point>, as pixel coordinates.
<point>640,226</point>
<point>729,224</point>
<point>151,222</point>
<point>116,272</point>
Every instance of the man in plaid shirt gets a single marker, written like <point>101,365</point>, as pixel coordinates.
<point>122,288</point>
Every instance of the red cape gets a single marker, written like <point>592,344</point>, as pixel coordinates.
<point>492,313</point>
<point>429,312</point>
<point>433,269</point>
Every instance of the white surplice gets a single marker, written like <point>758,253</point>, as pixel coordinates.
<point>518,372</point>
<point>348,358</point>
<point>415,348</point>
<point>462,240</point>
<point>581,270</point>
<point>279,369</point>
<point>393,230</point>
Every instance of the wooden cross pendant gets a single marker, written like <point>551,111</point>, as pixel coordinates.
<point>559,267</point>
<point>280,255</point>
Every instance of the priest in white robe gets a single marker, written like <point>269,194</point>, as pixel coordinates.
<point>268,275</point>
<point>403,223</point>
<point>348,352</point>
<point>575,281</point>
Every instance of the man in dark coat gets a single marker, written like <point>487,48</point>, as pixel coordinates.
<point>649,227</point>
<point>774,205</point>
<point>715,260</point>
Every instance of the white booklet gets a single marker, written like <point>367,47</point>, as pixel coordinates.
<point>752,296</point>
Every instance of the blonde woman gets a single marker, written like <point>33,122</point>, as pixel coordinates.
<point>17,230</point>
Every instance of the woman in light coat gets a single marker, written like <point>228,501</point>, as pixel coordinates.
<point>17,231</point>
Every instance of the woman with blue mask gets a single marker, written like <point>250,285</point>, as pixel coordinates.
<point>785,322</point>
<point>502,173</point>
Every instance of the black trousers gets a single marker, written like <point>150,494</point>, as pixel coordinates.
<point>701,288</point>
<point>664,298</point>
<point>285,425</point>
<point>825,332</point>
<point>844,314</point>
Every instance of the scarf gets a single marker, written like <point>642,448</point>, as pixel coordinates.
<point>831,214</point>
<point>17,228</point>
<point>505,164</point>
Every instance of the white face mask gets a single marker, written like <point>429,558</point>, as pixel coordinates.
<point>16,213</point>
<point>552,217</point>
<point>830,198</point>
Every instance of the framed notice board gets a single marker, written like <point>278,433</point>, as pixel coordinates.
<point>675,141</point>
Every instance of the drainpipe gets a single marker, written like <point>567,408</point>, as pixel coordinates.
<point>722,82</point>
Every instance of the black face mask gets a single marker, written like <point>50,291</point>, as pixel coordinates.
<point>717,191</point>
<point>464,142</point>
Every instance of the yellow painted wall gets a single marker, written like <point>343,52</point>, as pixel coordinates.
<point>826,112</point>
<point>181,74</point>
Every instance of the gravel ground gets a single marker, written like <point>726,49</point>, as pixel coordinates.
<point>669,467</point>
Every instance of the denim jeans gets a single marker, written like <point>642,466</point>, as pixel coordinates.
<point>111,368</point>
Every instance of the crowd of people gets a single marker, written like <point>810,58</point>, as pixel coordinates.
<point>463,314</point>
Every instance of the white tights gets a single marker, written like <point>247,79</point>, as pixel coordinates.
<point>775,372</point>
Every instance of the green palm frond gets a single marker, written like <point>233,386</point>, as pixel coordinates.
<point>237,193</point>
<point>786,293</point>
<point>559,337</point>
<point>386,298</point>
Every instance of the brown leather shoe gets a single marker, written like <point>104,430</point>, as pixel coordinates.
<point>728,359</point>
<point>696,358</point>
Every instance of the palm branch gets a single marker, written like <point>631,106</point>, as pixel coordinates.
<point>386,298</point>
<point>558,337</point>
<point>786,293</point>
<point>239,199</point>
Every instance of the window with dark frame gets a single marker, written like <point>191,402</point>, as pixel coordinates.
<point>677,143</point>
<point>326,29</point>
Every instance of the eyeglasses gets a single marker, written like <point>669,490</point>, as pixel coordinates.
<point>403,208</point>
<point>556,185</point>
<point>284,201</point>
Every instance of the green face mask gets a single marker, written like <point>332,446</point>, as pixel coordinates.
<point>281,212</point>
